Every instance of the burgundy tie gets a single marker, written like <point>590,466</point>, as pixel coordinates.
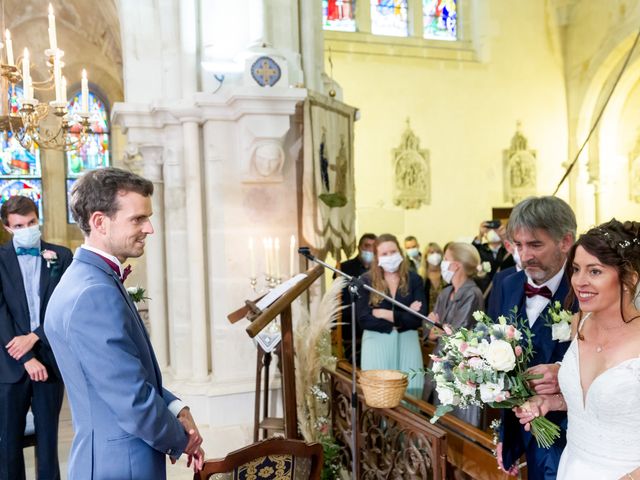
<point>531,291</point>
<point>115,268</point>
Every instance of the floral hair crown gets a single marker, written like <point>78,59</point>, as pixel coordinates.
<point>617,245</point>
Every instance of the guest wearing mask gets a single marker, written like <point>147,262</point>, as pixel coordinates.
<point>493,255</point>
<point>412,249</point>
<point>354,267</point>
<point>433,282</point>
<point>493,295</point>
<point>454,307</point>
<point>390,339</point>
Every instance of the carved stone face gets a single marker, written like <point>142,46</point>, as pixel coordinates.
<point>268,159</point>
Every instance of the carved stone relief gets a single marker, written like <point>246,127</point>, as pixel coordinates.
<point>519,169</point>
<point>411,172</point>
<point>268,159</point>
<point>634,172</point>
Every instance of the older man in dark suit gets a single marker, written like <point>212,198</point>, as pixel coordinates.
<point>30,269</point>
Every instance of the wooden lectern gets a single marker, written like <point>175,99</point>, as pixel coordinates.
<point>259,320</point>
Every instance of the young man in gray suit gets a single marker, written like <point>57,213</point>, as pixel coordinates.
<point>125,422</point>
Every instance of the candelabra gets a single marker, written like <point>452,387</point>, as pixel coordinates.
<point>24,118</point>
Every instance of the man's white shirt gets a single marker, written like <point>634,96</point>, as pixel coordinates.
<point>536,304</point>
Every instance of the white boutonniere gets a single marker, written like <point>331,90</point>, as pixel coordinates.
<point>50,257</point>
<point>560,322</point>
<point>137,294</point>
<point>484,267</point>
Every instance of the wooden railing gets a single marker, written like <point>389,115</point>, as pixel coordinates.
<point>402,443</point>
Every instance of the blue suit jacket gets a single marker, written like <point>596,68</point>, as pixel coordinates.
<point>14,310</point>
<point>494,302</point>
<point>123,427</point>
<point>515,439</point>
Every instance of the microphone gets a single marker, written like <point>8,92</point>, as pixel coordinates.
<point>306,252</point>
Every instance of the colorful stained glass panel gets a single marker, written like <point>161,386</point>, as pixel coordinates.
<point>28,187</point>
<point>440,19</point>
<point>389,17</point>
<point>16,161</point>
<point>70,182</point>
<point>339,15</point>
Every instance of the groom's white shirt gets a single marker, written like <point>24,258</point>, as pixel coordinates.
<point>536,304</point>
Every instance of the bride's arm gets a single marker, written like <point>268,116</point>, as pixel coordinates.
<point>633,475</point>
<point>539,406</point>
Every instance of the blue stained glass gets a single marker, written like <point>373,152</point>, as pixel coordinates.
<point>70,182</point>
<point>28,187</point>
<point>440,19</point>
<point>16,161</point>
<point>339,15</point>
<point>389,17</point>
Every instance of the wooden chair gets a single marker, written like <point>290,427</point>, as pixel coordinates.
<point>272,458</point>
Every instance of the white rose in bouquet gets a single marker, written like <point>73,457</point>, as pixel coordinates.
<point>489,392</point>
<point>499,355</point>
<point>466,389</point>
<point>561,331</point>
<point>447,396</point>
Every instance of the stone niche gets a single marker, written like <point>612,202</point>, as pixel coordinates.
<point>411,172</point>
<point>519,164</point>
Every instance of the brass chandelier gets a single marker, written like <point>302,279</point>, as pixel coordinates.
<point>23,117</point>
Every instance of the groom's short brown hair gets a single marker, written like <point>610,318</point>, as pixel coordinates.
<point>97,190</point>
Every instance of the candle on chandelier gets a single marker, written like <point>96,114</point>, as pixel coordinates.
<point>267,257</point>
<point>276,257</point>
<point>9,44</point>
<point>292,255</point>
<point>63,90</point>
<point>57,77</point>
<point>85,92</point>
<point>53,43</point>
<point>252,258</point>
<point>26,78</point>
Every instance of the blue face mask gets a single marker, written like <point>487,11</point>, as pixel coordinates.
<point>27,237</point>
<point>366,256</point>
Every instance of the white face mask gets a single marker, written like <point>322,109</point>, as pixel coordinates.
<point>493,237</point>
<point>434,259</point>
<point>517,259</point>
<point>366,256</point>
<point>447,275</point>
<point>390,263</point>
<point>413,252</point>
<point>27,237</point>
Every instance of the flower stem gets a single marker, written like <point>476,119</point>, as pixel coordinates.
<point>545,431</point>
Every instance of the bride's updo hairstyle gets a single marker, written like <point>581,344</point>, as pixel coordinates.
<point>615,244</point>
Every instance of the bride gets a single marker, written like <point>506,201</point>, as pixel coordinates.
<point>600,373</point>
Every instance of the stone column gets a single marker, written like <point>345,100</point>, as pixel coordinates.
<point>155,253</point>
<point>195,244</point>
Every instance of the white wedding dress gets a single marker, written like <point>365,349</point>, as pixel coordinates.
<point>603,436</point>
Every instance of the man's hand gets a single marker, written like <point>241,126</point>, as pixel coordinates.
<point>195,440</point>
<point>513,471</point>
<point>196,461</point>
<point>548,384</point>
<point>37,371</point>
<point>482,231</point>
<point>21,344</point>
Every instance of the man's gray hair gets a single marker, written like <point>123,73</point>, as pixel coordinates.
<point>551,214</point>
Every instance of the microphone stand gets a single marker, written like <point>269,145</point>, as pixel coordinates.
<point>353,285</point>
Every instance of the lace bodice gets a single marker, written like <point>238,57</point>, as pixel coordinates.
<point>604,428</point>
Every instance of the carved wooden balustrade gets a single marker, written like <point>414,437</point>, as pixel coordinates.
<point>401,443</point>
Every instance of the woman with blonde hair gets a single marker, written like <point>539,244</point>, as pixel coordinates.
<point>455,306</point>
<point>390,339</point>
<point>433,282</point>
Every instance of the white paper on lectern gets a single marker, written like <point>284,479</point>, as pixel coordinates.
<point>270,336</point>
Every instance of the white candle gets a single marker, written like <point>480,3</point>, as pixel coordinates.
<point>7,37</point>
<point>276,256</point>
<point>252,258</point>
<point>52,29</point>
<point>57,77</point>
<point>63,90</point>
<point>85,92</point>
<point>26,78</point>
<point>265,244</point>
<point>292,255</point>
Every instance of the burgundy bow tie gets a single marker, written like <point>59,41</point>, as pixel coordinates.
<point>115,268</point>
<point>531,291</point>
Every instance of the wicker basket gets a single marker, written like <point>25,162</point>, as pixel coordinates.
<point>383,388</point>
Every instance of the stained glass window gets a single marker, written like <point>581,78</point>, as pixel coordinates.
<point>389,17</point>
<point>20,168</point>
<point>93,152</point>
<point>339,15</point>
<point>70,182</point>
<point>93,149</point>
<point>440,19</point>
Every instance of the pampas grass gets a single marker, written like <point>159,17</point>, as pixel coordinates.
<point>313,352</point>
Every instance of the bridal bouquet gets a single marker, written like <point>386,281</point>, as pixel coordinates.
<point>487,366</point>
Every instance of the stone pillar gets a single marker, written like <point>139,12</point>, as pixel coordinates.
<point>155,254</point>
<point>195,244</point>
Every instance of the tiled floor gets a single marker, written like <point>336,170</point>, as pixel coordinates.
<point>178,471</point>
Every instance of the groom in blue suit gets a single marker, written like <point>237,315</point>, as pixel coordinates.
<point>30,269</point>
<point>125,422</point>
<point>543,230</point>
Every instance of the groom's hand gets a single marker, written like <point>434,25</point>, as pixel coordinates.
<point>548,384</point>
<point>21,344</point>
<point>513,471</point>
<point>195,440</point>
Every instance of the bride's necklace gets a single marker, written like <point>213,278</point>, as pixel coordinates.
<point>601,345</point>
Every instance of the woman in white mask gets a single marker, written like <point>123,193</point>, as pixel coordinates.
<point>390,339</point>
<point>455,306</point>
<point>433,282</point>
